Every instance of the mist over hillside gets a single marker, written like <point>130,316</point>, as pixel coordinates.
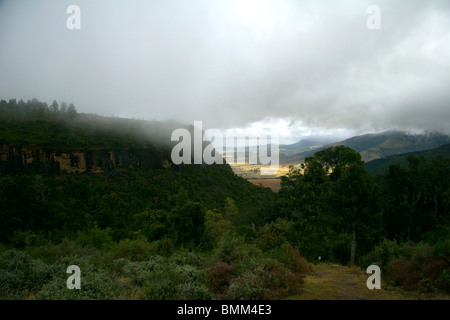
<point>53,138</point>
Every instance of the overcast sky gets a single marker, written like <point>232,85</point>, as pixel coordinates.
<point>300,67</point>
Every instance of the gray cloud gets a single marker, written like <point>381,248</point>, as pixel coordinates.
<point>231,63</point>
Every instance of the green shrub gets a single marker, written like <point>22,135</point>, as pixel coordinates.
<point>21,239</point>
<point>194,291</point>
<point>95,237</point>
<point>21,275</point>
<point>165,247</point>
<point>292,258</point>
<point>269,280</point>
<point>443,282</point>
<point>50,253</point>
<point>384,252</point>
<point>186,258</point>
<point>180,276</point>
<point>234,250</point>
<point>175,282</point>
<point>417,252</point>
<point>3,248</point>
<point>96,283</point>
<point>273,234</point>
<point>135,250</point>
<point>135,271</point>
<point>443,249</point>
<point>249,286</point>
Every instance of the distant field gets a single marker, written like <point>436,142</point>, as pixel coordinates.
<point>274,184</point>
<point>251,172</point>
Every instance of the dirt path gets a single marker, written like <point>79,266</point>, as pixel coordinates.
<point>336,282</point>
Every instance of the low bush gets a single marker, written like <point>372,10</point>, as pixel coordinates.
<point>176,282</point>
<point>134,269</point>
<point>269,280</point>
<point>443,282</point>
<point>135,250</point>
<point>419,268</point>
<point>21,275</point>
<point>95,237</point>
<point>219,276</point>
<point>234,250</point>
<point>51,253</point>
<point>384,252</point>
<point>404,273</point>
<point>97,282</point>
<point>292,258</point>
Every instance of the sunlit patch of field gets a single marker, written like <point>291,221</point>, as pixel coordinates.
<point>252,172</point>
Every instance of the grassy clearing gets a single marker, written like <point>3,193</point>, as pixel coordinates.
<point>336,282</point>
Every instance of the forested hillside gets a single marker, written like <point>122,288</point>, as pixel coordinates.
<point>382,164</point>
<point>133,212</point>
<point>140,227</point>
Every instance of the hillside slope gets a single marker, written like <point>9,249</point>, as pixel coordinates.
<point>382,164</point>
<point>375,145</point>
<point>61,174</point>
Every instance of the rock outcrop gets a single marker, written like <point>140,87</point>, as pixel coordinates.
<point>35,159</point>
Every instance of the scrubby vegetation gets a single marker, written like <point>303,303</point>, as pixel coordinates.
<point>201,232</point>
<point>138,269</point>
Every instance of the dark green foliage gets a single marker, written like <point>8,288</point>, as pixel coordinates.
<point>129,203</point>
<point>188,224</point>
<point>333,197</point>
<point>382,254</point>
<point>199,231</point>
<point>125,227</point>
<point>414,200</point>
<point>443,282</point>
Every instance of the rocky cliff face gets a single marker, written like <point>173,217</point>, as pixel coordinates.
<point>14,158</point>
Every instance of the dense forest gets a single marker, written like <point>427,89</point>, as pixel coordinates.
<point>140,227</point>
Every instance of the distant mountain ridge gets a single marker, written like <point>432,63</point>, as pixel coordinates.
<point>371,146</point>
